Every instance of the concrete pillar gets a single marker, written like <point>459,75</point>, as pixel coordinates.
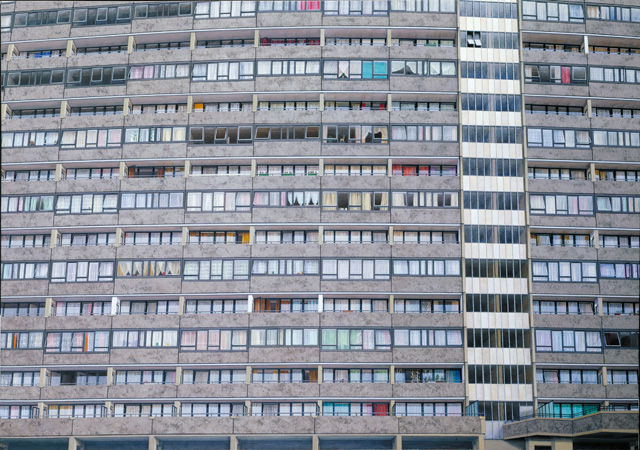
<point>119,237</point>
<point>233,443</point>
<point>589,109</point>
<point>248,375</point>
<point>189,104</point>
<point>323,39</point>
<point>49,306</point>
<point>11,49</point>
<point>71,48</point>
<point>126,106</point>
<point>74,444</point>
<point>153,443</point>
<point>254,106</point>
<point>252,235</point>
<point>181,305</point>
<point>586,44</point>
<point>320,303</point>
<point>478,444</point>
<point>5,111</point>
<point>43,377</point>
<point>603,373</point>
<point>392,306</point>
<point>187,169</point>
<point>320,374</point>
<point>256,38</point>
<point>58,174</point>
<point>592,172</point>
<point>249,304</point>
<point>389,167</point>
<point>389,101</point>
<point>111,380</point>
<point>320,234</point>
<point>397,442</point>
<point>123,170</point>
<point>392,374</point>
<point>315,442</point>
<point>115,306</point>
<point>41,408</point>
<point>389,38</point>
<point>321,102</point>
<point>390,235</point>
<point>64,109</point>
<point>131,45</point>
<point>562,444</point>
<point>254,168</point>
<point>600,307</point>
<point>320,167</point>
<point>178,375</point>
<point>247,406</point>
<point>185,236</point>
<point>193,42</point>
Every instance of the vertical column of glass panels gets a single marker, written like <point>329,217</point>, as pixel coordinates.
<point>496,292</point>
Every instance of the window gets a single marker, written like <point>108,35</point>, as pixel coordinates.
<point>355,237</point>
<point>220,170</point>
<point>101,16</point>
<point>81,272</point>
<point>145,377</point>
<point>614,13</point>
<point>149,307</point>
<point>271,337</point>
<point>546,47</point>
<point>278,170</point>
<point>205,10</point>
<point>355,339</point>
<point>213,340</point>
<point>285,198</point>
<point>285,267</point>
<point>153,238</point>
<point>424,68</point>
<point>74,410</point>
<point>406,170</point>
<point>355,409</point>
<point>444,133</point>
<point>298,132</point>
<point>159,134</point>
<point>108,173</point>
<point>617,175</point>
<point>573,376</point>
<point>218,201</point>
<point>623,339</point>
<point>426,306</point>
<point>355,375</point>
<point>568,341</point>
<point>91,138</point>
<point>288,106</point>
<point>29,139</point>
<point>491,102</point>
<point>218,237</point>
<point>85,240</point>
<point>286,237</point>
<point>555,74</point>
<point>105,49</point>
<point>426,267</point>
<point>163,10</point>
<point>77,341</point>
<point>616,138</point>
<point>212,409</point>
<point>611,204</point>
<point>565,271</point>
<point>354,305</point>
<point>216,269</point>
<point>425,106</point>
<point>217,376</point>
<point>619,241</point>
<point>355,201</point>
<point>116,75</point>
<point>560,240</point>
<point>427,338</point>
<point>355,41</point>
<point>80,378</point>
<point>285,305</point>
<point>40,18</point>
<point>443,6</point>
<point>148,338</point>
<point>355,69</point>
<point>25,271</point>
<point>428,375</point>
<point>355,269</point>
<point>19,412</point>
<point>82,308</point>
<point>222,71</point>
<point>87,204</point>
<point>22,309</point>
<point>561,204</point>
<point>20,340</point>
<point>223,135</point>
<point>489,135</point>
<point>29,175</point>
<point>354,106</point>
<point>355,170</point>
<point>159,108</point>
<point>614,74</point>
<point>419,199</point>
<point>289,6</point>
<point>552,11</point>
<point>497,71</point>
<point>285,376</point>
<point>21,378</point>
<point>563,307</point>
<point>161,268</point>
<point>184,45</point>
<point>225,43</point>
<point>25,240</point>
<point>552,173</point>
<point>428,409</point>
<point>158,71</point>
<point>152,200</point>
<point>620,308</point>
<point>215,306</point>
<point>355,8</point>
<point>621,270</point>
<point>555,110</point>
<point>34,113</point>
<point>288,67</point>
<point>144,410</point>
<point>622,376</point>
<point>425,237</point>
<point>284,409</point>
<point>97,111</point>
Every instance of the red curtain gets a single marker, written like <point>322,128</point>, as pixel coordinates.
<point>566,75</point>
<point>380,409</point>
